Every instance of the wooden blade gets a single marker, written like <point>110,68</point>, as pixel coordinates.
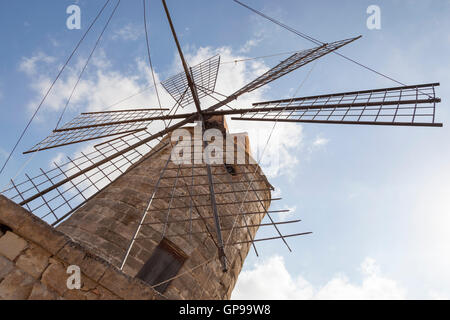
<point>55,193</point>
<point>96,125</point>
<point>203,75</point>
<point>398,106</point>
<point>292,63</point>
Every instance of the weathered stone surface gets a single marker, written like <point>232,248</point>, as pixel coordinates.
<point>55,277</point>
<point>35,273</point>
<point>14,216</point>
<point>41,292</point>
<point>75,294</point>
<point>72,254</point>
<point>17,285</point>
<point>33,261</point>
<point>93,267</point>
<point>126,287</point>
<point>47,237</point>
<point>101,293</point>
<point>109,281</point>
<point>11,245</point>
<point>6,266</point>
<point>99,234</point>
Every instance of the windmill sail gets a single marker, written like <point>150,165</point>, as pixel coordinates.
<point>94,125</point>
<point>297,60</point>
<point>398,106</point>
<point>55,193</point>
<point>204,76</point>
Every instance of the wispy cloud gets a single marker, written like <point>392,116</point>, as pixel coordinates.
<point>29,65</point>
<point>129,32</point>
<point>104,85</point>
<point>271,280</point>
<point>3,153</point>
<point>320,142</point>
<point>249,45</point>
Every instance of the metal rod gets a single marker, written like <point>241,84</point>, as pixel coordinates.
<point>125,110</point>
<point>207,194</point>
<point>170,204</point>
<point>95,194</point>
<point>217,204</point>
<point>244,217</point>
<point>144,141</point>
<point>222,216</point>
<point>367,123</point>
<point>323,106</point>
<point>133,239</point>
<point>227,229</point>
<point>270,217</point>
<point>222,256</point>
<point>272,238</point>
<point>347,93</point>
<point>183,61</point>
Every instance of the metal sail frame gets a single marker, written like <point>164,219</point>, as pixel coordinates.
<point>68,186</point>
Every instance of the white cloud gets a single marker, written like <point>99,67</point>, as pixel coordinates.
<point>285,216</point>
<point>58,159</point>
<point>320,142</point>
<point>271,280</point>
<point>29,65</point>
<point>249,45</point>
<point>128,32</point>
<point>99,88</point>
<point>104,85</point>
<point>438,295</point>
<point>3,153</point>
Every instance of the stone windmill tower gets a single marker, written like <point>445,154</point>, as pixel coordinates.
<point>169,213</point>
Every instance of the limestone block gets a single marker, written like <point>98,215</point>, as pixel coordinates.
<point>16,286</point>
<point>75,295</point>
<point>55,277</point>
<point>41,292</point>
<point>46,236</point>
<point>33,261</point>
<point>101,293</point>
<point>126,287</point>
<point>93,267</point>
<point>72,254</point>
<point>11,245</point>
<point>12,215</point>
<point>106,295</point>
<point>6,267</point>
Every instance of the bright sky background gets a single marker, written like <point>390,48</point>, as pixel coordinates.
<point>376,198</point>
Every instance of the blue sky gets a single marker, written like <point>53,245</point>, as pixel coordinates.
<point>376,198</point>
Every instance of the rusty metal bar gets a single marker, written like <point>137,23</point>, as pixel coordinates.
<point>218,204</point>
<point>272,238</point>
<point>144,141</point>
<point>227,229</point>
<point>370,123</point>
<point>222,216</point>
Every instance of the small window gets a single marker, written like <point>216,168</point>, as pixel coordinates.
<point>165,262</point>
<point>230,169</point>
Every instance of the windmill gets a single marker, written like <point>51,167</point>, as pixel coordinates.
<point>220,206</point>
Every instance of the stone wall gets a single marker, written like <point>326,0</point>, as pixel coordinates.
<point>34,258</point>
<point>107,222</point>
